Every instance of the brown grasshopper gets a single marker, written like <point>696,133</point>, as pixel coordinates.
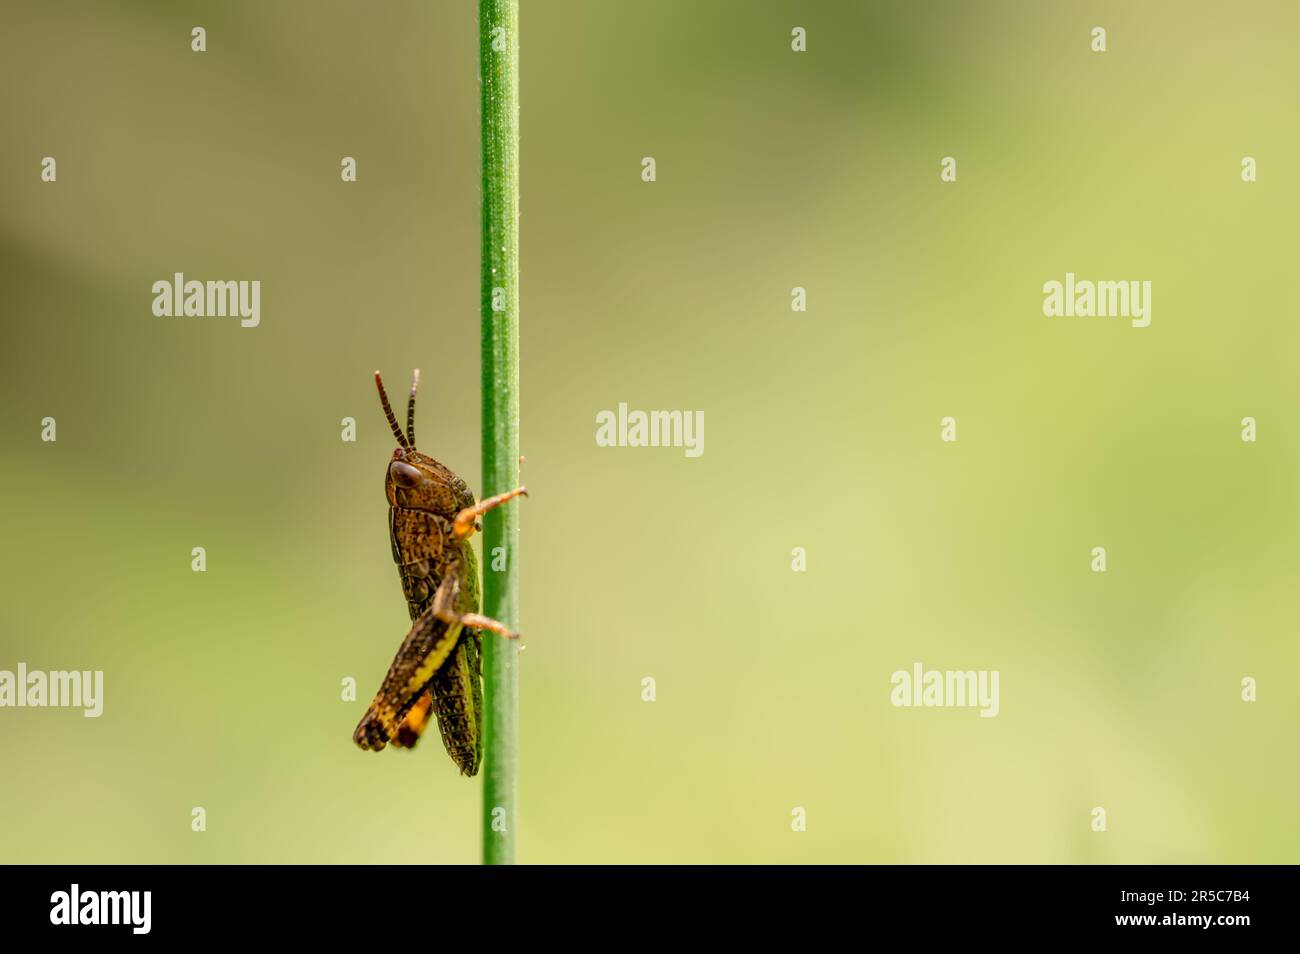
<point>431,516</point>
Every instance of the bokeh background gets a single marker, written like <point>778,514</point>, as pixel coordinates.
<point>775,169</point>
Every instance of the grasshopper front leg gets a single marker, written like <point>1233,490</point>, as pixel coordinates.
<point>466,521</point>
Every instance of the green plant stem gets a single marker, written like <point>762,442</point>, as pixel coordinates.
<point>499,74</point>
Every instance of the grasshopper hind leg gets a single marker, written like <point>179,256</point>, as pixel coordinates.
<point>415,722</point>
<point>425,650</point>
<point>437,671</point>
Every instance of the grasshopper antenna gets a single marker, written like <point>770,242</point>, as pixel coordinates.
<point>388,413</point>
<point>410,409</point>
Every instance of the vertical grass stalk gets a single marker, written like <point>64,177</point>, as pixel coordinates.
<point>499,75</point>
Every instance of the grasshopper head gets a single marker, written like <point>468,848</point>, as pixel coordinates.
<point>416,481</point>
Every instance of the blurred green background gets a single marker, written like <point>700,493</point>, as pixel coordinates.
<point>775,169</point>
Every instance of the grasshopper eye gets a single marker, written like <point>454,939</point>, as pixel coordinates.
<point>403,474</point>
